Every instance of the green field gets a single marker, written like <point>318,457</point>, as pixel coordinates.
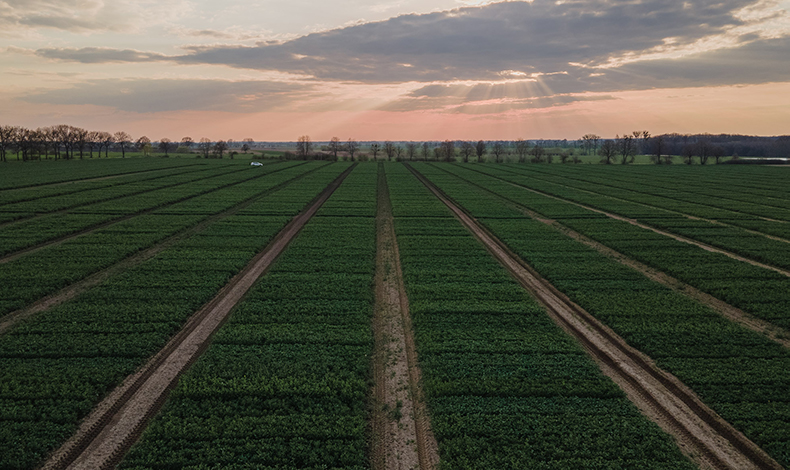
<point>286,382</point>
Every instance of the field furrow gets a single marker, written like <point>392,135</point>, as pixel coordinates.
<point>738,373</point>
<point>506,387</point>
<point>285,382</point>
<point>58,365</point>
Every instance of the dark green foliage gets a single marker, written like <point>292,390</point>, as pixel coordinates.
<point>506,388</point>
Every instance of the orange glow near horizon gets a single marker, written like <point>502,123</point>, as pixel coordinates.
<point>757,110</point>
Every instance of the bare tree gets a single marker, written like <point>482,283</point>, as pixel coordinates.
<point>247,144</point>
<point>351,147</point>
<point>467,150</point>
<point>426,150</point>
<point>643,137</point>
<point>658,148</point>
<point>304,146</point>
<point>480,149</point>
<point>105,140</point>
<point>7,138</point>
<point>411,150</point>
<point>219,148</point>
<point>398,152</point>
<point>448,150</point>
<point>80,139</point>
<point>717,152</point>
<point>375,149</point>
<point>144,145</point>
<point>498,150</point>
<point>92,141</point>
<point>590,143</point>
<point>187,142</point>
<point>608,151</point>
<point>704,151</point>
<point>522,147</point>
<point>334,146</point>
<point>627,147</point>
<point>538,154</point>
<point>123,140</point>
<point>564,155</point>
<point>389,149</point>
<point>164,145</point>
<point>205,147</point>
<point>688,152</point>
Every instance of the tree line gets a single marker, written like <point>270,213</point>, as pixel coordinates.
<point>68,142</point>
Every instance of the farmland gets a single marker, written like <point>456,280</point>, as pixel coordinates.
<point>105,265</point>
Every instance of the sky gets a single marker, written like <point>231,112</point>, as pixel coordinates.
<point>396,69</point>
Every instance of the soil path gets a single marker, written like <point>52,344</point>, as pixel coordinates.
<point>636,223</point>
<point>402,438</point>
<point>773,332</point>
<point>58,240</point>
<point>701,434</point>
<point>108,432</point>
<point>69,292</point>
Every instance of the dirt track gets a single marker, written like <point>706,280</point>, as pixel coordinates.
<point>735,314</point>
<point>402,438</point>
<point>69,292</point>
<point>107,433</point>
<point>700,432</point>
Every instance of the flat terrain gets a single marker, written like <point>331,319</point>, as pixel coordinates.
<point>163,313</point>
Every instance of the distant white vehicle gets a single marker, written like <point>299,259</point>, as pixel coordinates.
<point>256,164</point>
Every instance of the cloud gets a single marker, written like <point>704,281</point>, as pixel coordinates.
<point>99,55</point>
<point>163,95</point>
<point>465,105</point>
<point>478,43</point>
<point>87,16</point>
<point>501,56</point>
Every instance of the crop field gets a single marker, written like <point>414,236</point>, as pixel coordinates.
<point>202,314</point>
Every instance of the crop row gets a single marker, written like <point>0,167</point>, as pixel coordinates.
<point>85,201</point>
<point>761,292</point>
<point>38,274</point>
<point>57,365</point>
<point>38,174</point>
<point>734,239</point>
<point>708,205</point>
<point>28,233</point>
<point>506,387</point>
<point>285,381</point>
<point>720,186</point>
<point>68,190</point>
<point>739,373</point>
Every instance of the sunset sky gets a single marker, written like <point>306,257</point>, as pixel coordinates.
<point>398,69</point>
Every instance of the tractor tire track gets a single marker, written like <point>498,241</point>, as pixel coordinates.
<point>55,241</point>
<point>67,293</point>
<point>747,320</point>
<point>636,223</point>
<point>402,436</point>
<point>700,432</point>
<point>114,425</point>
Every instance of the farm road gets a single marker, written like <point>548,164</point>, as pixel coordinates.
<point>71,291</point>
<point>773,332</point>
<point>114,425</point>
<point>402,438</point>
<point>701,434</point>
<point>636,223</point>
